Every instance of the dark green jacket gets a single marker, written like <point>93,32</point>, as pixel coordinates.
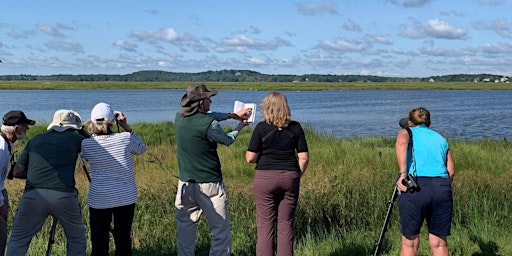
<point>198,160</point>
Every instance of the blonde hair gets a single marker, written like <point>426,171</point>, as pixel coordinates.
<point>420,116</point>
<point>102,129</point>
<point>276,110</point>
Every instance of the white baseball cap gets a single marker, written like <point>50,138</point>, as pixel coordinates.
<point>102,112</point>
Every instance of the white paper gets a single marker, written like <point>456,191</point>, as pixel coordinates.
<point>240,105</point>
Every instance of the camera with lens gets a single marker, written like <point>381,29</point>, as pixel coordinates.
<point>410,182</point>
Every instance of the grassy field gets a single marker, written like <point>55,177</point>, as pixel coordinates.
<point>343,201</point>
<point>61,85</point>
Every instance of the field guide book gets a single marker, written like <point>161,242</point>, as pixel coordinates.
<point>240,105</point>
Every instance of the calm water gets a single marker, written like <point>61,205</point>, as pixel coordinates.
<point>465,115</point>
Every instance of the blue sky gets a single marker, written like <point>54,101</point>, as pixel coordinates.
<point>397,38</point>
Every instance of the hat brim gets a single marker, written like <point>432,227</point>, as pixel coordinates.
<point>59,128</point>
<point>188,102</point>
<point>29,122</point>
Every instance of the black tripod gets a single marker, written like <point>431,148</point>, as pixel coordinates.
<point>51,240</point>
<point>386,221</point>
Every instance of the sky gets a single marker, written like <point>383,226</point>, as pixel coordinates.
<point>392,38</point>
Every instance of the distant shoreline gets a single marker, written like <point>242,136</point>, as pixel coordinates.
<point>265,86</point>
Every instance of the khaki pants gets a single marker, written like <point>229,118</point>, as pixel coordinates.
<point>192,199</point>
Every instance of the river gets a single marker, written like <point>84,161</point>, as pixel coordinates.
<point>457,114</point>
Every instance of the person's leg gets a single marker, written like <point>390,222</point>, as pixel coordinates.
<point>30,217</point>
<point>3,224</point>
<point>66,208</point>
<point>440,217</point>
<point>290,184</point>
<point>123,219</point>
<point>3,235</point>
<point>212,199</point>
<point>438,245</point>
<point>186,214</point>
<point>413,208</point>
<point>410,245</point>
<point>266,212</point>
<point>100,220</point>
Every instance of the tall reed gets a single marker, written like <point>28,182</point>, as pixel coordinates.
<point>343,199</point>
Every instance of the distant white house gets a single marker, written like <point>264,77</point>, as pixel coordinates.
<point>431,80</point>
<point>504,79</point>
<point>486,80</point>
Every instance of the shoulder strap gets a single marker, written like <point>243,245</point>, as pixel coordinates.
<point>410,134</point>
<point>411,148</point>
<point>267,136</point>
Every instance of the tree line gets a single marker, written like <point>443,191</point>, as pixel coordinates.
<point>245,76</point>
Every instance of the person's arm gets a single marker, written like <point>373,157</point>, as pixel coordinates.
<point>217,134</point>
<point>251,157</point>
<point>137,145</point>
<point>303,162</point>
<point>242,114</point>
<point>450,165</point>
<point>20,171</point>
<point>402,142</point>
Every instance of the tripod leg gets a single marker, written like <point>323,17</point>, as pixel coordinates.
<point>386,221</point>
<point>51,240</point>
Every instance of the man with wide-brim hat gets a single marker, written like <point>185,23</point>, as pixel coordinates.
<point>14,126</point>
<point>48,164</point>
<point>200,186</point>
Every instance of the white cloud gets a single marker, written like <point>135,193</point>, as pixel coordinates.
<point>439,29</point>
<point>410,3</point>
<point>501,27</point>
<point>312,9</point>
<point>341,45</point>
<point>64,45</point>
<point>49,30</point>
<point>433,28</point>
<point>351,25</point>
<point>126,45</point>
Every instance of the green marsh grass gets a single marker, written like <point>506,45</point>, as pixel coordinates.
<point>301,86</point>
<point>343,200</point>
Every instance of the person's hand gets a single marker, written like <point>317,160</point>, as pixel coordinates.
<point>399,184</point>
<point>121,120</point>
<point>244,114</point>
<point>3,212</point>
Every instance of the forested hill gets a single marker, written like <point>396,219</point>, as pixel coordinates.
<point>248,76</point>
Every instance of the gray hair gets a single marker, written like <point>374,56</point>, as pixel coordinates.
<point>7,128</point>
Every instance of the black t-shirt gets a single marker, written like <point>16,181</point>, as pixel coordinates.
<point>277,149</point>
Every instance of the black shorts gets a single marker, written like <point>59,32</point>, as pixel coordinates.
<point>433,203</point>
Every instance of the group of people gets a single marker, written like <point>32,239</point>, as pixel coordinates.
<point>48,161</point>
<point>278,147</point>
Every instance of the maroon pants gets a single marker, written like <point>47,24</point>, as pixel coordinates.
<point>276,194</point>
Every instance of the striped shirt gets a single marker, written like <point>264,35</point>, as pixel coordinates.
<point>111,163</point>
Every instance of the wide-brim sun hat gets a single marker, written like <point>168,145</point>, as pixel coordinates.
<point>65,119</point>
<point>190,101</point>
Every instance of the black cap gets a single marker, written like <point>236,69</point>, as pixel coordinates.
<point>16,117</point>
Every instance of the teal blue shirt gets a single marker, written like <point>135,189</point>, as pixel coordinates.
<point>430,149</point>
